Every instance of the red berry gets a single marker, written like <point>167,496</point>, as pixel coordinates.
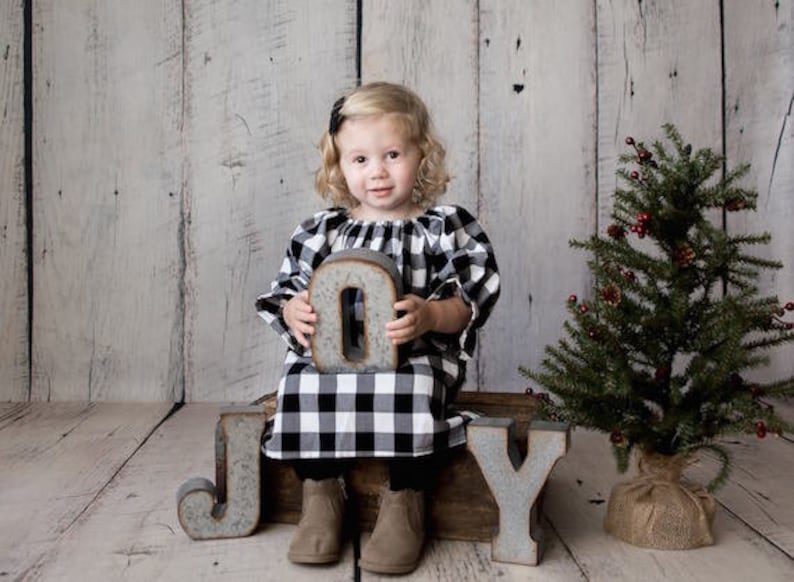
<point>572,298</point>
<point>641,232</point>
<point>789,306</point>
<point>760,429</point>
<point>629,140</point>
<point>616,231</point>
<point>789,326</point>
<point>528,390</point>
<point>644,155</point>
<point>735,204</point>
<point>616,437</point>
<point>633,228</point>
<point>583,308</point>
<point>634,175</point>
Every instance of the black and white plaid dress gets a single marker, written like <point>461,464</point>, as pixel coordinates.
<point>401,413</point>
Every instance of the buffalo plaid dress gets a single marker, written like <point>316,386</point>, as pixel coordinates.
<point>400,413</point>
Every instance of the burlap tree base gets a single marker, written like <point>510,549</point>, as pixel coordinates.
<point>657,510</point>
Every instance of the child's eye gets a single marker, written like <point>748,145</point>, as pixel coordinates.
<point>393,155</point>
<point>359,160</point>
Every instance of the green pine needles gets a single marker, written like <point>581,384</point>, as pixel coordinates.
<point>656,357</point>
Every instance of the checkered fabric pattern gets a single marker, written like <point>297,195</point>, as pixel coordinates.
<point>407,412</point>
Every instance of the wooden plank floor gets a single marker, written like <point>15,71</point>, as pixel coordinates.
<point>87,492</point>
<point>56,461</point>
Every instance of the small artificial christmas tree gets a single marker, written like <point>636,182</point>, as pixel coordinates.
<point>657,357</point>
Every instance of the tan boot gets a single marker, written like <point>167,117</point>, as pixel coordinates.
<point>318,539</point>
<point>396,542</point>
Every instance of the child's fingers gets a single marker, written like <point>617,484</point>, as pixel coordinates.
<point>407,321</point>
<point>408,303</point>
<point>401,330</point>
<point>402,305</point>
<point>307,316</point>
<point>400,337</point>
<point>298,310</point>
<point>302,340</point>
<point>303,333</point>
<point>304,328</point>
<point>302,302</point>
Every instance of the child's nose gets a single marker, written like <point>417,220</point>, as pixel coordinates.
<point>378,169</point>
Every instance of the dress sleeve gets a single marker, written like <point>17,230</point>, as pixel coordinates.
<point>467,267</point>
<point>307,248</point>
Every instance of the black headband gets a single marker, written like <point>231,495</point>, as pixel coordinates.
<point>336,118</point>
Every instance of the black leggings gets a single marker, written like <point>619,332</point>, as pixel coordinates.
<point>416,473</point>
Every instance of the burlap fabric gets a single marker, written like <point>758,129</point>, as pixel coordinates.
<point>656,510</point>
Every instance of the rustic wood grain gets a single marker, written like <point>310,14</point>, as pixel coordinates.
<point>174,154</point>
<point>153,203</point>
<point>658,62</point>
<point>262,79</point>
<point>9,411</point>
<point>758,490</point>
<point>126,525</point>
<point>457,561</point>
<point>759,95</point>
<point>107,211</point>
<point>56,459</point>
<point>537,184</point>
<point>785,409</point>
<point>132,530</point>
<point>575,505</point>
<point>13,231</point>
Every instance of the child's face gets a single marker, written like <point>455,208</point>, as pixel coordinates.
<point>379,164</point>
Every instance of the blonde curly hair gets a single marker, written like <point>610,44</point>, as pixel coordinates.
<point>375,99</point>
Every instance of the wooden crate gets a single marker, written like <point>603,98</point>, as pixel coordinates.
<point>460,506</point>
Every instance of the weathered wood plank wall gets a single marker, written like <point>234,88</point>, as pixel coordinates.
<point>260,78</point>
<point>537,125</point>
<point>13,237</point>
<point>658,62</point>
<point>759,128</point>
<point>107,210</point>
<point>174,149</point>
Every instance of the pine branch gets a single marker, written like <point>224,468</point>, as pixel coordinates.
<point>725,464</point>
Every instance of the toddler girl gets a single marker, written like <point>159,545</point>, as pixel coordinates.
<point>382,170</point>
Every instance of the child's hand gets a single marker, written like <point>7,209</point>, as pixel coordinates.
<point>444,316</point>
<point>300,317</point>
<point>417,321</point>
